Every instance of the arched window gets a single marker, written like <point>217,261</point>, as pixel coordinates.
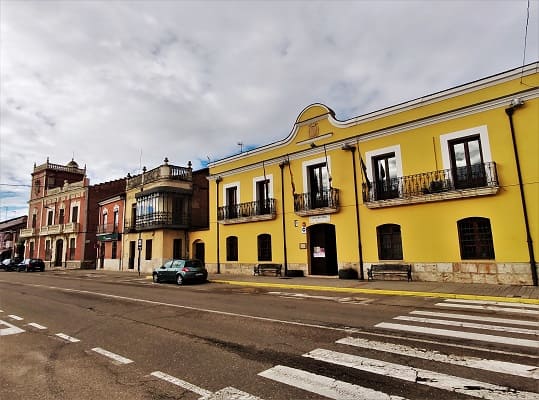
<point>264,247</point>
<point>232,248</point>
<point>389,242</point>
<point>475,238</point>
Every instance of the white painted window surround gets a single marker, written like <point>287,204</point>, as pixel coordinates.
<point>478,130</point>
<point>369,155</point>
<point>304,169</point>
<point>231,185</point>
<point>257,179</point>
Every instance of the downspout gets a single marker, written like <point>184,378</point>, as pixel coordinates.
<point>509,111</point>
<point>217,181</point>
<point>282,165</point>
<point>352,150</point>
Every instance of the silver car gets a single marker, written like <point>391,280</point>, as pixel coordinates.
<point>180,271</point>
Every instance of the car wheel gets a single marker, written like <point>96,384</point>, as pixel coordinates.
<point>155,278</point>
<point>179,279</point>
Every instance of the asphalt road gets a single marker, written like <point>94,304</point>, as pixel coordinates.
<point>76,335</point>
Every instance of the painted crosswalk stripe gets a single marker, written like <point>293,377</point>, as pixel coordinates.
<point>324,386</point>
<point>230,393</point>
<point>119,359</point>
<point>10,330</point>
<point>182,383</point>
<point>37,326</point>
<point>526,371</point>
<point>471,325</point>
<point>489,308</point>
<point>475,318</point>
<point>437,380</point>
<point>493,303</point>
<point>67,337</point>
<point>15,317</point>
<point>461,335</point>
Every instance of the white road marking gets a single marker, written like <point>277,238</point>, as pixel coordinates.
<point>68,338</point>
<point>494,303</point>
<point>437,380</point>
<point>119,359</point>
<point>476,318</point>
<point>181,383</point>
<point>10,330</point>
<point>526,371</point>
<point>499,328</point>
<point>324,386</point>
<point>37,326</point>
<point>490,308</point>
<point>462,335</point>
<point>15,317</point>
<point>346,330</point>
<point>1,311</point>
<point>230,393</point>
<point>348,300</point>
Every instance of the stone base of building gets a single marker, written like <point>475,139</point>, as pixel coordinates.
<point>462,272</point>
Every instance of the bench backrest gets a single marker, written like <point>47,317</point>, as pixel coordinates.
<point>391,267</point>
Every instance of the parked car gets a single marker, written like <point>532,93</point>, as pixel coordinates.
<point>10,264</point>
<point>31,264</point>
<point>180,271</point>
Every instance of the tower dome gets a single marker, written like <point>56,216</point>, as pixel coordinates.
<point>72,164</point>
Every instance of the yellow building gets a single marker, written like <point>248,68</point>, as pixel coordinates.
<point>448,183</point>
<point>161,206</point>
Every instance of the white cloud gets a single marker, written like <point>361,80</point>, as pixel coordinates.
<point>186,80</point>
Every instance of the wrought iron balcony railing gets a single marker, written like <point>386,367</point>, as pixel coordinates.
<point>432,183</point>
<point>251,211</point>
<point>324,201</point>
<point>107,228</point>
<point>157,220</point>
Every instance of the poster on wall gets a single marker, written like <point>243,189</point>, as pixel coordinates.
<point>319,252</point>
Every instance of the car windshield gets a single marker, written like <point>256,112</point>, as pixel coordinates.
<point>178,263</point>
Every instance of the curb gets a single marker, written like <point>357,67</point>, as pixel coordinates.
<point>383,292</point>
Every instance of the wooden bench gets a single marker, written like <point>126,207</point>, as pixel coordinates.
<point>259,269</point>
<point>390,269</point>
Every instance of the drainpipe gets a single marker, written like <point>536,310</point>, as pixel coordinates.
<point>217,181</point>
<point>282,165</point>
<point>352,150</point>
<point>516,103</point>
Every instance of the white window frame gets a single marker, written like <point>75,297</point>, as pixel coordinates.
<point>73,205</point>
<point>482,131</point>
<point>231,185</point>
<point>305,170</point>
<point>257,179</point>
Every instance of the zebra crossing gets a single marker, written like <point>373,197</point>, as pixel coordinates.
<point>513,330</point>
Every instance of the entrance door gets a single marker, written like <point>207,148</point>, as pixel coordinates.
<point>200,251</point>
<point>59,251</point>
<point>322,249</point>
<point>102,255</point>
<point>131,261</point>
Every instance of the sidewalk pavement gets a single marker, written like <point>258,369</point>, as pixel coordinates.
<point>465,291</point>
<point>448,290</point>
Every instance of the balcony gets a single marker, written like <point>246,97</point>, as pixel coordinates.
<point>247,212</point>
<point>316,203</point>
<point>72,227</point>
<point>448,184</point>
<point>27,232</point>
<point>107,228</point>
<point>158,220</point>
<point>163,172</point>
<point>51,230</point>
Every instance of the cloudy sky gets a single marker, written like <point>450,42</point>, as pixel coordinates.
<point>117,84</point>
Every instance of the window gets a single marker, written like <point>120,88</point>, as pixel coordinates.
<point>34,220</point>
<point>105,219</point>
<point>72,248</point>
<point>389,242</point>
<point>232,248</point>
<point>177,248</point>
<point>37,186</point>
<point>264,247</point>
<point>48,251</point>
<point>475,238</point>
<point>148,249</point>
<point>115,217</point>
<point>231,202</point>
<point>50,217</point>
<point>75,214</point>
<point>318,185</point>
<point>467,165</point>
<point>31,250</point>
<point>114,250</point>
<point>61,216</point>
<point>386,183</point>
<point>262,197</point>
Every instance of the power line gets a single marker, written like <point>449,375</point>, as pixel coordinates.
<point>525,40</point>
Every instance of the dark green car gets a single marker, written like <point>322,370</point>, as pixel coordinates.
<point>180,271</point>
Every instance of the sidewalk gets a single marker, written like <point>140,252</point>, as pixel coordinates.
<point>474,291</point>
